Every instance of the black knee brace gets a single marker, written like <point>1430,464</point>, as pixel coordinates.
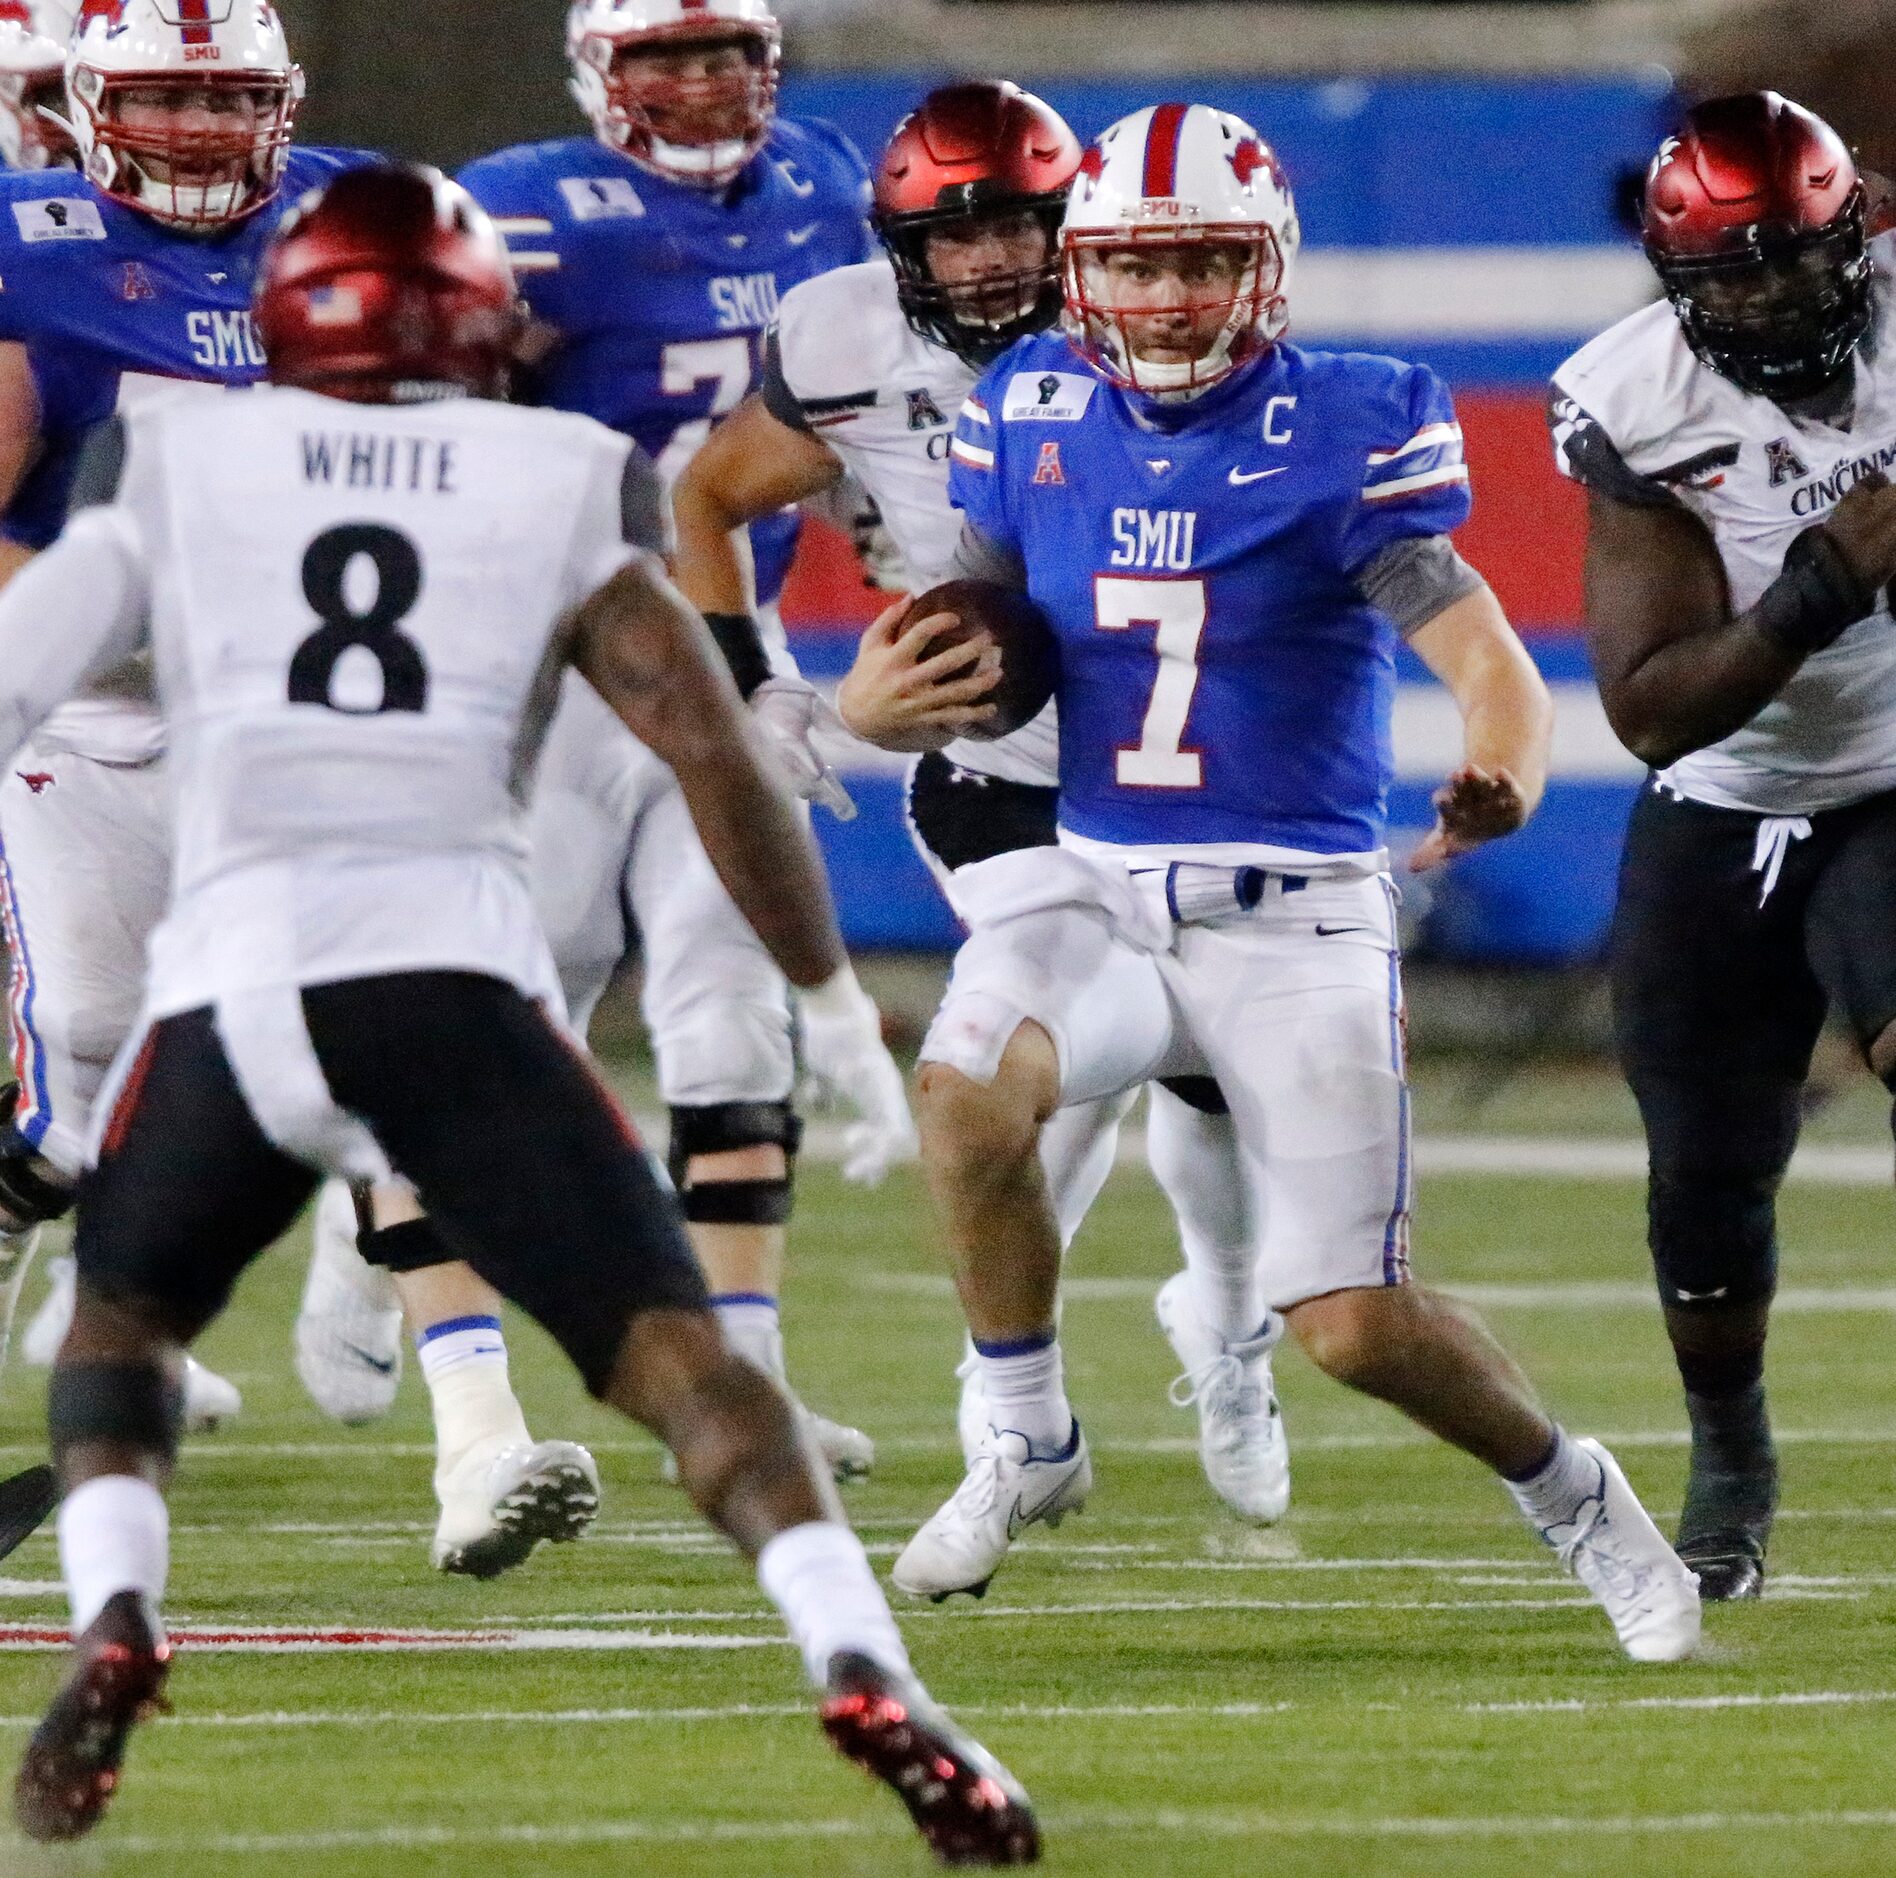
<point>1714,1241</point>
<point>30,1191</point>
<point>133,1404</point>
<point>718,1128</point>
<point>412,1246</point>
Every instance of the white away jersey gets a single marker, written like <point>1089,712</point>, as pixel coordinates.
<point>1638,417</point>
<point>355,616</point>
<point>845,364</point>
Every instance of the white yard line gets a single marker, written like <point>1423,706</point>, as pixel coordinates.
<point>1184,1821</point>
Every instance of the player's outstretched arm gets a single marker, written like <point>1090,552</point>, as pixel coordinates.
<point>1507,719</point>
<point>650,656</point>
<point>752,465</point>
<point>93,581</point>
<point>1677,671</point>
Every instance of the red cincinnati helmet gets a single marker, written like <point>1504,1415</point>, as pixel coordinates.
<point>982,152</point>
<point>1755,224</point>
<point>390,286</point>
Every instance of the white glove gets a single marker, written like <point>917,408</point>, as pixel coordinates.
<point>792,713</point>
<point>845,1060</point>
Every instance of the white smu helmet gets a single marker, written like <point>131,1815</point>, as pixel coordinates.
<point>1171,176</point>
<point>201,179</point>
<point>33,35</point>
<point>694,131</point>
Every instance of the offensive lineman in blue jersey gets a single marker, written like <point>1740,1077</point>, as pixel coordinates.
<point>132,276</point>
<point>1172,479</point>
<point>653,254</point>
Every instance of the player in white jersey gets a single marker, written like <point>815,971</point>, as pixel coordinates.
<point>33,131</point>
<point>359,588</point>
<point>1734,440</point>
<point>865,373</point>
<point>185,129</point>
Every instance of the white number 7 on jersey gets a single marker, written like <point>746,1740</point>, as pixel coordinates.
<point>1177,609</point>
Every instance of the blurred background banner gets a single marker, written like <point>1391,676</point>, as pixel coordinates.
<point>1463,172</point>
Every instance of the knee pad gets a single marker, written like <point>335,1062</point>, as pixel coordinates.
<point>412,1246</point>
<point>30,1190</point>
<point>718,1128</point>
<point>1713,1241</point>
<point>135,1405</point>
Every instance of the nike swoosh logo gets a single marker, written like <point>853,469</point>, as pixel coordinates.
<point>798,236</point>
<point>382,1365</point>
<point>1330,932</point>
<point>1240,477</point>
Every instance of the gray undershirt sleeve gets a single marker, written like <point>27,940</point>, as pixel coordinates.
<point>1414,580</point>
<point>977,558</point>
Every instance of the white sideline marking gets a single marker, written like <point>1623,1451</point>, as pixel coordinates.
<point>988,1711</point>
<point>1183,1821</point>
<point>1586,1295</point>
<point>1606,1158</point>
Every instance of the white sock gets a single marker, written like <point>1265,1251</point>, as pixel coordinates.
<point>1557,1498</point>
<point>1025,1389</point>
<point>751,1327</point>
<point>465,1362</point>
<point>114,1535</point>
<point>820,1578</point>
<point>1196,1159</point>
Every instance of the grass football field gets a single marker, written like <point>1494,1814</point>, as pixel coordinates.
<point>1396,1679</point>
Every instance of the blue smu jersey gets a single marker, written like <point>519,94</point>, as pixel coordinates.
<point>660,293</point>
<point>1222,677</point>
<point>96,292</point>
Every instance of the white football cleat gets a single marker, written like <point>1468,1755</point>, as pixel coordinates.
<point>210,1400</point>
<point>849,1453</point>
<point>1007,1489</point>
<point>39,1345</point>
<point>498,1505</point>
<point>1241,1439</point>
<point>349,1326</point>
<point>1616,1551</point>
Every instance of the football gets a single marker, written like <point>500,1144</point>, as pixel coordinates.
<point>1029,652</point>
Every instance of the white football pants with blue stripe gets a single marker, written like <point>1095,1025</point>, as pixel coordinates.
<point>87,848</point>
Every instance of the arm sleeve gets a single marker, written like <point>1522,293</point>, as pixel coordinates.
<point>1414,579</point>
<point>978,558</point>
<point>1415,475</point>
<point>1584,452</point>
<point>95,583</point>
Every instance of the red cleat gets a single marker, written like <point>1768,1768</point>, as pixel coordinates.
<point>969,1808</point>
<point>71,1767</point>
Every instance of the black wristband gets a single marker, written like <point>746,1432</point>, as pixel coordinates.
<point>743,648</point>
<point>1816,598</point>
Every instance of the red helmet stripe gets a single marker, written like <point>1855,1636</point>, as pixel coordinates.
<point>196,16</point>
<point>1161,164</point>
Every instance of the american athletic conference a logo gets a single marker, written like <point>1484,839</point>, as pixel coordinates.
<point>1785,465</point>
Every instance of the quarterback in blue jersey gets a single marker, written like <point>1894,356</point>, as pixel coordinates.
<point>1228,534</point>
<point>115,284</point>
<point>653,254</point>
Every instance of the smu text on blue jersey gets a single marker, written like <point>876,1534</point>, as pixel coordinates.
<point>1222,677</point>
<point>660,293</point>
<point>97,293</point>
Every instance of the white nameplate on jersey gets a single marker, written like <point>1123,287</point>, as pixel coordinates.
<point>600,198</point>
<point>59,218</point>
<point>1048,397</point>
